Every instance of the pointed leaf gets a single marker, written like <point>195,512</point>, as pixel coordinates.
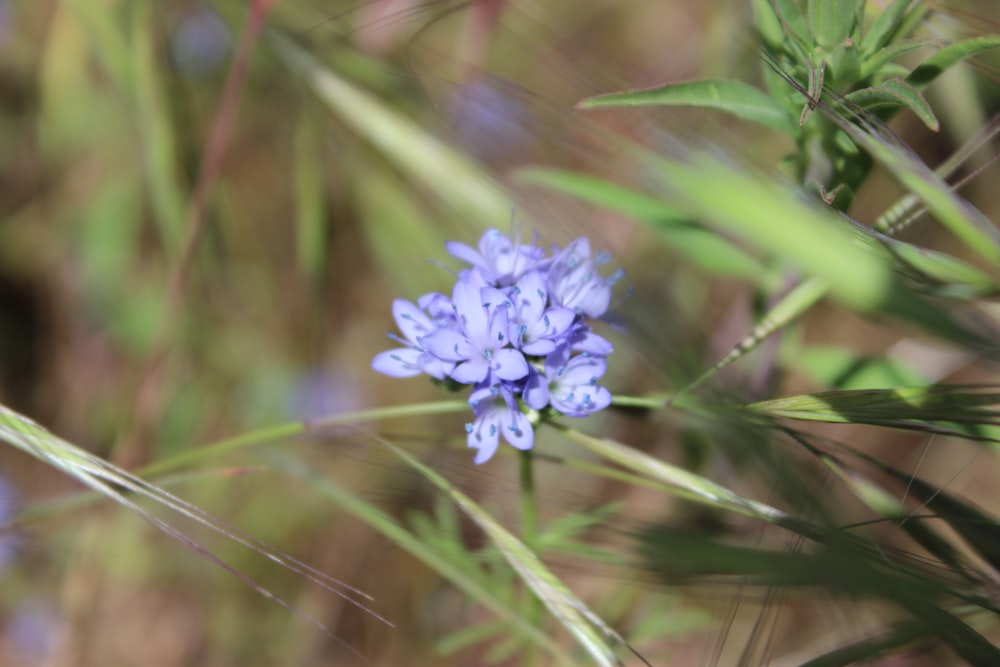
<point>951,55</point>
<point>881,31</point>
<point>895,93</point>
<point>873,65</point>
<point>733,97</point>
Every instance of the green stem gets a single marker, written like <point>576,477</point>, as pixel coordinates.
<point>529,536</point>
<point>287,430</point>
<point>653,402</point>
<point>529,511</point>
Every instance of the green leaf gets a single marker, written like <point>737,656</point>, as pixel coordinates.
<point>895,93</point>
<point>873,64</point>
<point>832,21</point>
<point>941,274</point>
<point>856,267</point>
<point>733,97</point>
<point>964,220</point>
<point>842,368</point>
<point>950,55</point>
<point>951,409</point>
<point>701,246</point>
<point>682,482</point>
<point>884,27</point>
<point>791,19</point>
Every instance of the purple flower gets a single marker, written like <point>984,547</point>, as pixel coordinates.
<point>478,342</point>
<point>499,261</point>
<point>569,384</point>
<point>537,329</point>
<point>413,359</point>
<point>496,414</point>
<point>516,327</point>
<point>574,282</point>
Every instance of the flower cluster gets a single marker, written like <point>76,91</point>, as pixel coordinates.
<point>515,328</point>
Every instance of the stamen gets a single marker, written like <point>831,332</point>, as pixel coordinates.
<point>468,427</point>
<point>493,430</point>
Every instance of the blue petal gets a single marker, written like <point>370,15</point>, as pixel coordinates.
<point>402,362</point>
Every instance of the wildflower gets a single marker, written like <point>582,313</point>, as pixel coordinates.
<point>496,414</point>
<point>568,384</point>
<point>516,328</point>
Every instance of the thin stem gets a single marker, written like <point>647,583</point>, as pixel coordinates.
<point>653,402</point>
<point>529,536</point>
<point>529,511</point>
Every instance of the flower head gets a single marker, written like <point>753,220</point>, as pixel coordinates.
<point>516,328</point>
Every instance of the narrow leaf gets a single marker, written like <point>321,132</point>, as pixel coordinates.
<point>950,55</point>
<point>895,93</point>
<point>884,27</point>
<point>733,97</point>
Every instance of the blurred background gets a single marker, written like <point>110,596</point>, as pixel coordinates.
<point>197,241</point>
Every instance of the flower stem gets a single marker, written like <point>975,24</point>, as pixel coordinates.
<point>529,535</point>
<point>529,511</point>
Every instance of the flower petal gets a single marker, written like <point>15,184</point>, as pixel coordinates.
<point>517,430</point>
<point>465,253</point>
<point>531,298</point>
<point>536,390</point>
<point>582,370</point>
<point>472,371</point>
<point>473,318</point>
<point>412,322</point>
<point>402,362</point>
<point>585,340</point>
<point>448,345</point>
<point>484,435</point>
<point>509,364</point>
